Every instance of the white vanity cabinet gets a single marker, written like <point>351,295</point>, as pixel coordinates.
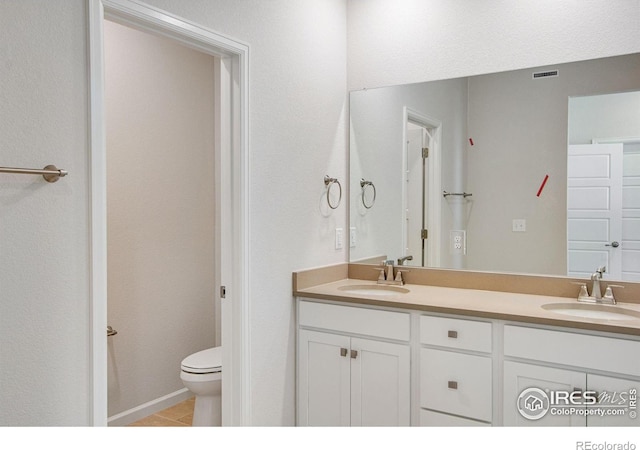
<point>353,366</point>
<point>362,365</point>
<point>455,372</point>
<point>548,353</point>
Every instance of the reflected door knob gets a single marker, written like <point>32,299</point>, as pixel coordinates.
<point>614,244</point>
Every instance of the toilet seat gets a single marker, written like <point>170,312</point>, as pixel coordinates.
<point>205,361</point>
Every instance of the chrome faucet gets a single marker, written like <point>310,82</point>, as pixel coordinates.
<point>596,291</point>
<point>596,276</point>
<point>402,259</point>
<point>387,274</point>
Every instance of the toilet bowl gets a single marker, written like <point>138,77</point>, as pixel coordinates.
<point>201,373</point>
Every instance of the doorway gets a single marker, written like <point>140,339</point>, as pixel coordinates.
<point>231,164</point>
<point>161,263</point>
<point>421,189</point>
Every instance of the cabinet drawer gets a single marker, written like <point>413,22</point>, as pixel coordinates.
<point>355,320</point>
<point>456,333</point>
<point>456,383</point>
<point>573,349</point>
<point>435,419</point>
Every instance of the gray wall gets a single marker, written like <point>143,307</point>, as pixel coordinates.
<point>519,127</point>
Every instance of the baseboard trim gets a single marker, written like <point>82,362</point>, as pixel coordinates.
<point>146,409</point>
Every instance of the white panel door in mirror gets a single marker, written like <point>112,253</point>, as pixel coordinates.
<point>594,209</point>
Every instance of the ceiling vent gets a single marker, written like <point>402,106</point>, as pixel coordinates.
<point>546,74</point>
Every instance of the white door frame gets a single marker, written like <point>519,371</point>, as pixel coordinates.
<point>435,183</point>
<point>232,151</point>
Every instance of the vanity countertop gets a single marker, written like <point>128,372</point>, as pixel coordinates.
<point>471,302</point>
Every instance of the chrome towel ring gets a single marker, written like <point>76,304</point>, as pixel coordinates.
<point>363,184</point>
<point>328,182</point>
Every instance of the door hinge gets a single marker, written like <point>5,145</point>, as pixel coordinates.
<point>223,292</point>
<point>425,152</point>
<point>424,234</point>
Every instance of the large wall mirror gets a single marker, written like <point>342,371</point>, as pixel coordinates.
<point>531,171</point>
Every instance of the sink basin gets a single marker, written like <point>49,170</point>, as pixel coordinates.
<point>374,289</point>
<point>588,311</point>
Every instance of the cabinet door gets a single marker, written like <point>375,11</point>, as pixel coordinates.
<point>617,402</point>
<point>518,377</point>
<point>380,383</point>
<point>323,379</point>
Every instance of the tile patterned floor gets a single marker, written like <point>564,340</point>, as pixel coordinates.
<point>180,415</point>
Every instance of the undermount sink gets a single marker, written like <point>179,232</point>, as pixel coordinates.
<point>374,289</point>
<point>592,311</point>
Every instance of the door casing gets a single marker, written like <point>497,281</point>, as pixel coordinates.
<point>232,173</point>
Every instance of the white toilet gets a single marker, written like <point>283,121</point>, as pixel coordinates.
<point>202,374</point>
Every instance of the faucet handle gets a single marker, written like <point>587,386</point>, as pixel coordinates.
<point>381,276</point>
<point>609,286</point>
<point>608,292</point>
<point>584,293</point>
<point>399,275</point>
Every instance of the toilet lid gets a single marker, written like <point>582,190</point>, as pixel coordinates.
<point>205,361</point>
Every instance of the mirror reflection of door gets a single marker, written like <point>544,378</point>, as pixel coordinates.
<point>603,186</point>
<point>419,140</point>
<point>594,209</point>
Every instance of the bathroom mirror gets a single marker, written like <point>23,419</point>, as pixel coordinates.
<point>492,193</point>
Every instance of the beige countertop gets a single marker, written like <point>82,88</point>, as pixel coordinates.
<point>471,302</point>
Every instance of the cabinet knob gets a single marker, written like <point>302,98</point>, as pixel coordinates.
<point>452,334</point>
<point>354,354</point>
<point>452,385</point>
<point>343,352</point>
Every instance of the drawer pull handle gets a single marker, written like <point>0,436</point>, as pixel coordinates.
<point>354,354</point>
<point>343,352</point>
<point>452,334</point>
<point>452,385</point>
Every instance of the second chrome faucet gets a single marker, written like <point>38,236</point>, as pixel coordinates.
<point>596,291</point>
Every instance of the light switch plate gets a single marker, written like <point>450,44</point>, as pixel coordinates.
<point>519,225</point>
<point>339,239</point>
<point>352,237</point>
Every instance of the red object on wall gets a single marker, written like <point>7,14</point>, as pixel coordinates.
<point>546,177</point>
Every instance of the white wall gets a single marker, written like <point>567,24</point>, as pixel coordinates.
<point>409,41</point>
<point>44,228</point>
<point>298,134</point>
<point>160,206</point>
